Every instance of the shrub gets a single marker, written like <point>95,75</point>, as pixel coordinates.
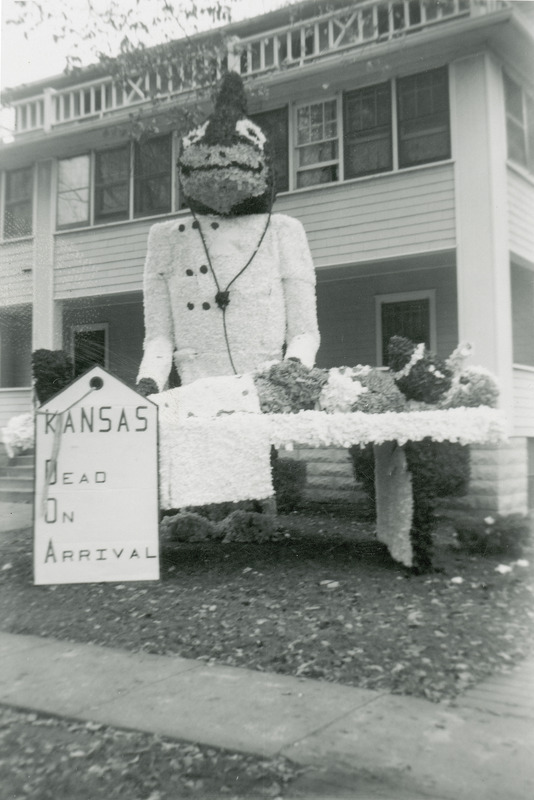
<point>53,370</point>
<point>438,469</point>
<point>247,526</point>
<point>499,535</point>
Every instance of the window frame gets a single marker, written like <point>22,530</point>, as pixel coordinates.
<point>83,224</point>
<point>140,180</point>
<point>85,328</point>
<point>402,297</point>
<point>336,162</point>
<point>446,114</point>
<point>391,126</point>
<point>5,204</point>
<point>131,216</point>
<point>525,125</point>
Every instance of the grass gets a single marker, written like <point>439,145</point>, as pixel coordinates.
<point>325,601</point>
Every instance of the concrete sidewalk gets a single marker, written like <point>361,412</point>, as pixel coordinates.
<point>353,739</point>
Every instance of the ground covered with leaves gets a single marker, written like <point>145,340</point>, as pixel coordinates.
<point>46,758</point>
<point>324,601</point>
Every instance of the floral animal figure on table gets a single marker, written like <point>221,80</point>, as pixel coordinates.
<point>228,290</point>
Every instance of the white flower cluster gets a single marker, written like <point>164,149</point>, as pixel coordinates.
<point>340,392</point>
<point>19,434</point>
<point>316,429</point>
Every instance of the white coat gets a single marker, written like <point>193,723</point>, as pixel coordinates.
<point>271,304</point>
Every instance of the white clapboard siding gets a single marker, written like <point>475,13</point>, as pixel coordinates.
<point>523,401</point>
<point>14,402</point>
<point>102,260</point>
<point>521,214</point>
<point>399,214</point>
<point>16,283</point>
<point>393,215</point>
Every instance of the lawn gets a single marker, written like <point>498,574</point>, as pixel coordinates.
<point>323,601</point>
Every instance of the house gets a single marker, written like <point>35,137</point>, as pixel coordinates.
<point>404,141</point>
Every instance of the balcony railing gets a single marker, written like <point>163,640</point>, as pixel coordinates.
<point>292,46</point>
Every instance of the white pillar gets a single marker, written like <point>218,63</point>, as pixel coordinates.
<point>478,126</point>
<point>47,313</point>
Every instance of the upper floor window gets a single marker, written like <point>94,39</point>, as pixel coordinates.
<point>112,184</point>
<point>423,118</point>
<point>367,133</point>
<point>73,192</point>
<point>111,190</point>
<point>378,134</point>
<point>317,151</point>
<point>152,176</point>
<point>18,203</point>
<point>275,126</point>
<point>519,124</point>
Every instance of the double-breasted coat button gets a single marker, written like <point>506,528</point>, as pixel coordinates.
<point>196,224</point>
<point>214,225</point>
<point>190,306</point>
<point>189,272</point>
<point>206,306</point>
<point>181,228</point>
<point>203,269</point>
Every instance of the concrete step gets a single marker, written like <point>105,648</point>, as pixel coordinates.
<point>15,495</point>
<point>17,482</point>
<point>17,471</point>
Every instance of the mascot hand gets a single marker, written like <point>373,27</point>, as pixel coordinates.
<point>146,386</point>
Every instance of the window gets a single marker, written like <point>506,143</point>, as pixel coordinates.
<point>522,288</point>
<point>89,347</point>
<point>410,314</point>
<point>317,143</point>
<point>275,126</point>
<point>367,130</point>
<point>423,118</point>
<point>383,127</point>
<point>73,192</point>
<point>112,184</point>
<point>18,203</point>
<point>152,176</point>
<point>519,124</point>
<point>133,180</point>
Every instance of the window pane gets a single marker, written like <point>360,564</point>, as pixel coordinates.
<point>73,191</point>
<point>18,221</point>
<point>409,318</point>
<point>315,153</point>
<point>112,184</point>
<point>513,97</point>
<point>530,132</point>
<point>522,285</point>
<point>311,177</point>
<point>423,111</point>
<point>73,173</point>
<point>19,184</point>
<point>275,126</point>
<point>152,176</point>
<point>73,208</point>
<point>18,203</point>
<point>367,118</point>
<point>317,136</point>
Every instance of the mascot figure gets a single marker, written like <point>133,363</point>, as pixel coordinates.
<point>228,291</point>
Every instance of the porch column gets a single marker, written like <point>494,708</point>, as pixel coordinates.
<point>47,313</point>
<point>479,146</point>
<point>478,127</point>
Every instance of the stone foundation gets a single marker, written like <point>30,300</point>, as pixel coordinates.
<point>499,478</point>
<point>329,476</point>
